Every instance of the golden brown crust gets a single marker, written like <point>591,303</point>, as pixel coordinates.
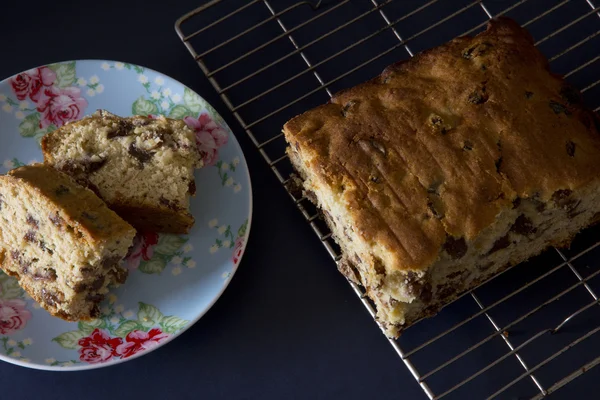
<point>80,207</point>
<point>438,145</point>
<point>60,241</point>
<point>153,219</point>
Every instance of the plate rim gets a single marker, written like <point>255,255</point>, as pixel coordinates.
<point>112,362</point>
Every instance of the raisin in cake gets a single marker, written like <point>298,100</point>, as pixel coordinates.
<point>142,167</point>
<point>448,168</point>
<point>60,241</point>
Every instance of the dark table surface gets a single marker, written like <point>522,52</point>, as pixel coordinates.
<point>288,326</point>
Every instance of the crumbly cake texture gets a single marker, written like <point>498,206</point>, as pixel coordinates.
<point>448,168</point>
<point>142,167</point>
<point>60,241</point>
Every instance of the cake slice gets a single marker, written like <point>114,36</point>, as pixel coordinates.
<point>60,241</point>
<point>448,168</point>
<point>142,167</point>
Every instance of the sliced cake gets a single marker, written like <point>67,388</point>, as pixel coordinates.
<point>142,167</point>
<point>448,168</point>
<point>60,241</point>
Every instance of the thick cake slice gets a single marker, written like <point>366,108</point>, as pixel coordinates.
<point>142,167</point>
<point>448,168</point>
<point>60,241</point>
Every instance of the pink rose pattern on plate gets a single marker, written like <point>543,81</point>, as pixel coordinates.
<point>114,336</point>
<point>30,83</point>
<point>142,249</point>
<point>238,249</point>
<point>139,340</point>
<point>151,253</point>
<point>209,137</point>
<point>13,316</point>
<point>55,95</point>
<point>51,96</point>
<point>100,347</point>
<point>59,106</point>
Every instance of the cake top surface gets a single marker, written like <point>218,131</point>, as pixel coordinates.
<point>79,207</point>
<point>437,146</point>
<point>132,161</point>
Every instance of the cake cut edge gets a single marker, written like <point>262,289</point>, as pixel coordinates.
<point>163,215</point>
<point>427,292</point>
<point>40,260</point>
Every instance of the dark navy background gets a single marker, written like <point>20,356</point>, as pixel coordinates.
<point>289,326</point>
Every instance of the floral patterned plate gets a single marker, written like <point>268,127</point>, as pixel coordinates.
<point>174,279</point>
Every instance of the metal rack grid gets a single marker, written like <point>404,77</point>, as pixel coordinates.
<point>272,60</point>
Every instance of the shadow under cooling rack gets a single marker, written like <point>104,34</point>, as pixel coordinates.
<point>528,331</point>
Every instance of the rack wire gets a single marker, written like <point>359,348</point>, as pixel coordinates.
<point>526,332</point>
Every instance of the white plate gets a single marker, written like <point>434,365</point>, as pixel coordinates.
<point>174,279</point>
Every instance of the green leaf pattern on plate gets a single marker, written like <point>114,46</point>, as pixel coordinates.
<point>126,327</point>
<point>65,74</point>
<point>9,288</point>
<point>70,340</point>
<point>196,104</point>
<point>172,324</point>
<point>156,265</point>
<point>60,77</point>
<point>169,250</point>
<point>148,315</point>
<point>30,127</point>
<point>14,308</point>
<point>13,347</point>
<point>180,112</point>
<point>192,101</point>
<point>117,334</point>
<point>122,331</point>
<point>225,173</point>
<point>227,238</point>
<point>143,107</point>
<point>169,244</point>
<point>88,326</point>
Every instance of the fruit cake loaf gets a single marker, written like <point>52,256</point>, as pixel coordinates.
<point>60,241</point>
<point>142,167</point>
<point>448,168</point>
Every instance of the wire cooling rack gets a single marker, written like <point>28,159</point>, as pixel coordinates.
<point>528,331</point>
